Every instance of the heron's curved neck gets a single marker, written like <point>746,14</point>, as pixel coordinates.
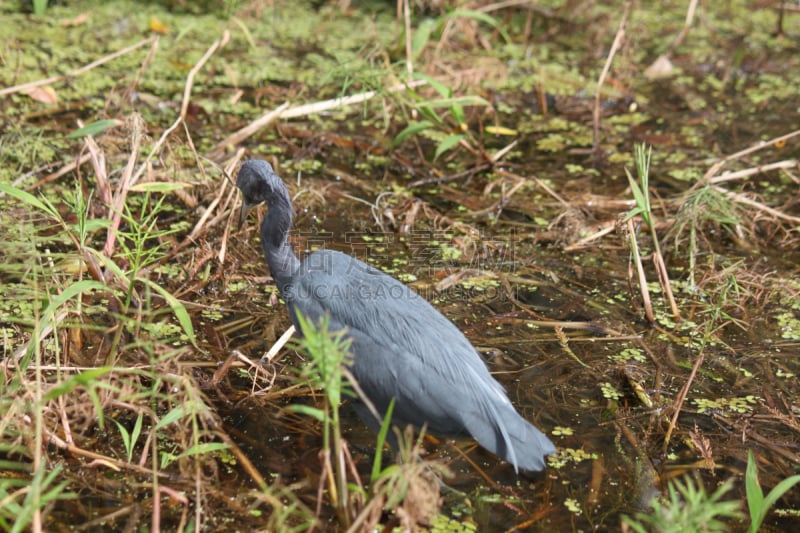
<point>280,256</point>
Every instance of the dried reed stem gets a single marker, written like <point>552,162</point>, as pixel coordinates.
<point>637,261</point>
<point>77,72</point>
<point>678,405</point>
<point>284,111</point>
<point>614,47</point>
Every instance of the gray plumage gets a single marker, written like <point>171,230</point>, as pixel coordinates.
<point>402,347</point>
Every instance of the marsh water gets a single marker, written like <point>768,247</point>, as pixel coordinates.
<point>584,390</point>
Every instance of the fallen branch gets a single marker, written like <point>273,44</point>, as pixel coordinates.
<point>242,134</point>
<point>279,344</point>
<point>115,209</point>
<point>77,72</point>
<point>746,173</point>
<point>284,111</point>
<point>742,199</point>
<point>715,168</point>
<point>678,405</point>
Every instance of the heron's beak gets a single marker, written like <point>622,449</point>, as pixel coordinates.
<point>243,213</point>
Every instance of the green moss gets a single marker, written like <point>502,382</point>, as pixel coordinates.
<point>739,405</point>
<point>610,391</point>
<point>789,325</point>
<point>629,354</point>
<point>443,524</point>
<point>569,455</point>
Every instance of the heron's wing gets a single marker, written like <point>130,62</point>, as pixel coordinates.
<point>384,310</point>
<point>452,404</point>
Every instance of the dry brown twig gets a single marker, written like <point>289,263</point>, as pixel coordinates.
<point>662,66</point>
<point>99,164</point>
<point>716,167</point>
<point>115,208</point>
<point>407,26</point>
<point>243,459</point>
<point>663,279</point>
<point>712,176</point>
<point>614,47</point>
<point>279,344</point>
<point>604,229</point>
<point>637,262</point>
<point>538,182</point>
<point>746,173</point>
<point>743,199</point>
<point>187,93</point>
<point>145,64</point>
<point>686,25</point>
<point>245,132</point>
<point>206,220</point>
<point>284,111</point>
<point>76,72</point>
<point>678,405</point>
<point>223,248</point>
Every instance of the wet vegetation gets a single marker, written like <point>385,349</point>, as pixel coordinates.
<point>601,195</point>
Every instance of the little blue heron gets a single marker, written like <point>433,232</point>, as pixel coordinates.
<point>402,347</point>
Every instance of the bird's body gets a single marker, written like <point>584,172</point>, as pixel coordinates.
<point>402,347</point>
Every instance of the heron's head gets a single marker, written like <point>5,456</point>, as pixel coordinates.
<point>259,184</point>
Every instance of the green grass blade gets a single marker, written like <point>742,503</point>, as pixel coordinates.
<point>307,410</point>
<point>451,101</point>
<point>480,17</point>
<point>422,36</point>
<point>385,428</point>
<point>411,129</point>
<point>84,379</point>
<point>173,416</point>
<point>126,440</point>
<point>137,430</point>
<point>178,309</point>
<point>159,186</point>
<point>446,144</point>
<point>440,87</point>
<point>458,115</point>
<point>475,15</point>
<point>203,448</point>
<point>780,489</point>
<point>94,128</point>
<point>775,494</point>
<point>29,199</point>
<point>755,496</point>
<point>39,7</point>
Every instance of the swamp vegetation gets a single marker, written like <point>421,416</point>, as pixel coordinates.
<point>602,195</point>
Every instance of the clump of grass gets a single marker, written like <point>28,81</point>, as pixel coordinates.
<point>329,352</point>
<point>444,119</point>
<point>24,498</point>
<point>56,395</point>
<point>643,209</point>
<point>409,488</point>
<point>705,211</point>
<point>757,504</point>
<point>687,507</point>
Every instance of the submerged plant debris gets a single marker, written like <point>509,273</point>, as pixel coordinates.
<point>645,316</point>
